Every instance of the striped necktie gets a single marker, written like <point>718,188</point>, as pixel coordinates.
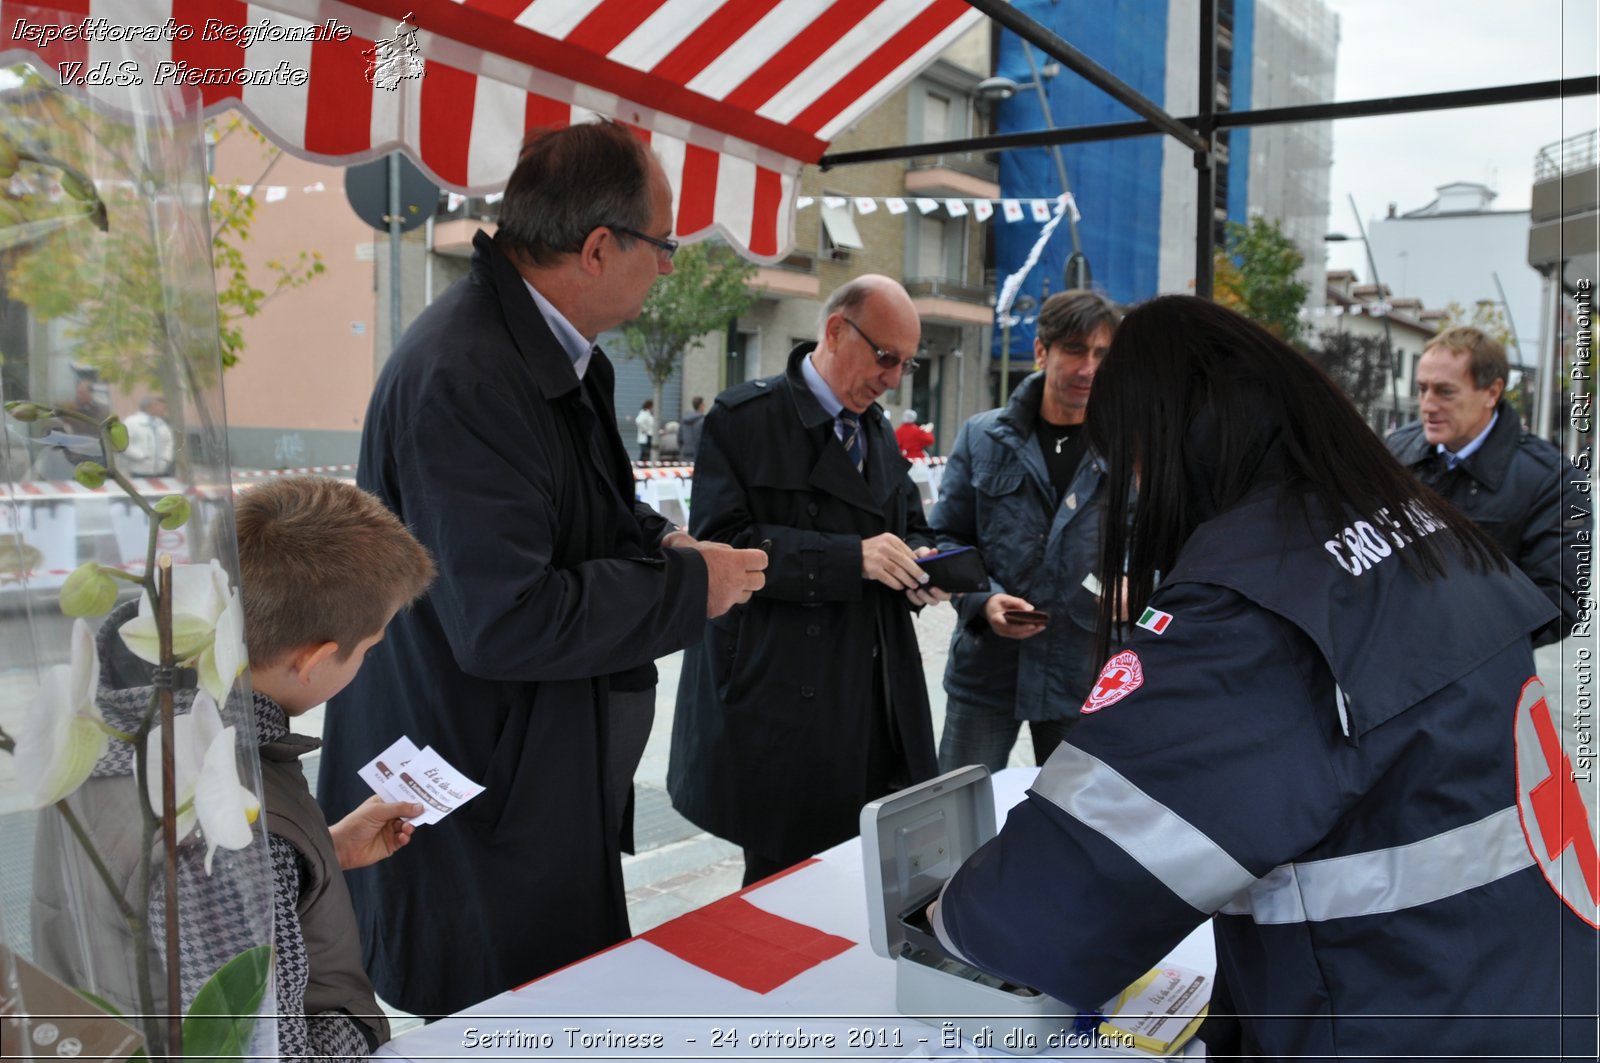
<point>850,435</point>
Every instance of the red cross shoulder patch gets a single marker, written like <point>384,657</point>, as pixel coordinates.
<point>1121,676</point>
<point>1556,807</point>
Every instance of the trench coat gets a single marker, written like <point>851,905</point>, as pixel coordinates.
<point>770,734</point>
<point>510,471</point>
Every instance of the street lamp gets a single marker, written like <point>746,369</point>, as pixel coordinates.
<point>996,89</point>
<point>1388,339</point>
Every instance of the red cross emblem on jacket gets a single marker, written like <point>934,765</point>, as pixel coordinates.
<point>1121,676</point>
<point>1556,820</point>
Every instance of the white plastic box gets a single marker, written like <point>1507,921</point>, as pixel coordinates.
<point>911,843</point>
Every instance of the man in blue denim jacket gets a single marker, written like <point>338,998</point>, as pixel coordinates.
<point>1022,486</point>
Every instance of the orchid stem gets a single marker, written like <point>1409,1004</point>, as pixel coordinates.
<point>133,492</point>
<point>76,826</point>
<point>130,915</point>
<point>169,800</point>
<point>149,818</point>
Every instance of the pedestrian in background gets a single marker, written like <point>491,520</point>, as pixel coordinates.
<point>150,450</point>
<point>689,429</point>
<point>914,439</point>
<point>645,423</point>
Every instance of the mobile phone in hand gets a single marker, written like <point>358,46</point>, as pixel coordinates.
<point>1026,616</point>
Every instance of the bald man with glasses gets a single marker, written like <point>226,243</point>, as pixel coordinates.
<point>808,701</point>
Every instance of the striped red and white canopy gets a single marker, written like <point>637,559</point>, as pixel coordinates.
<point>735,96</point>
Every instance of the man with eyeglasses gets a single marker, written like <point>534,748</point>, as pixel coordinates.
<point>1022,486</point>
<point>809,701</point>
<point>528,665</point>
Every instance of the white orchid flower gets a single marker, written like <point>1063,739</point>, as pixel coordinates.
<point>221,662</point>
<point>207,627</point>
<point>206,777</point>
<point>225,806</point>
<point>64,733</point>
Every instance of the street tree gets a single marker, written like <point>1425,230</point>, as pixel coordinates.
<point>104,287</point>
<point>1358,364</point>
<point>707,289</point>
<point>1255,275</point>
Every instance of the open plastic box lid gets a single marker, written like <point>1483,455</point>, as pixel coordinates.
<point>912,841</point>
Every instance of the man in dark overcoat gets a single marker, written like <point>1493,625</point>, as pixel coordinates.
<point>1469,445</point>
<point>492,434</point>
<point>809,701</point>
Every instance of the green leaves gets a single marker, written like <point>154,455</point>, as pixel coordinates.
<point>707,289</point>
<point>1255,275</point>
<point>223,1014</point>
<point>107,289</point>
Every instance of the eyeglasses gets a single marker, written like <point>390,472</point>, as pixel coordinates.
<point>886,360</point>
<point>664,248</point>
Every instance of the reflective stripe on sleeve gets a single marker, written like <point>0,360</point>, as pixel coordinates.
<point>1387,880</point>
<point>1187,862</point>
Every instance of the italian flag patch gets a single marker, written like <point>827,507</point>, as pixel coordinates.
<point>1155,620</point>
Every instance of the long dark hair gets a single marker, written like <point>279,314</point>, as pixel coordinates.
<point>1203,406</point>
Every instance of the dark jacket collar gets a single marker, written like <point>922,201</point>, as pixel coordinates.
<point>546,359</point>
<point>806,405</point>
<point>1021,412</point>
<point>833,472</point>
<point>1488,464</point>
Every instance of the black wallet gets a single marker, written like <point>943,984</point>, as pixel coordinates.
<point>956,570</point>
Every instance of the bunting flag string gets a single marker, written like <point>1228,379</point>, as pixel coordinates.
<point>1354,310</point>
<point>980,210</point>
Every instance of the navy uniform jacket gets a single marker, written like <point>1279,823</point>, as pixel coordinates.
<point>1334,759</point>
<point>770,735</point>
<point>510,471</point>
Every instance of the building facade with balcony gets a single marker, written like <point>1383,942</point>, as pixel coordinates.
<point>298,397</point>
<point>1137,195</point>
<point>1401,322</point>
<point>1460,249</point>
<point>849,229</point>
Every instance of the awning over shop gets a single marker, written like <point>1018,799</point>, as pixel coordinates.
<point>735,96</point>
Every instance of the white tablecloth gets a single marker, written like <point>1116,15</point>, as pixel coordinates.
<point>842,1008</point>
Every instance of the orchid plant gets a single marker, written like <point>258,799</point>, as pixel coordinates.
<point>187,783</point>
<point>189,616</point>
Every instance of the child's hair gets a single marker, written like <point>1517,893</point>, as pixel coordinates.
<point>321,561</point>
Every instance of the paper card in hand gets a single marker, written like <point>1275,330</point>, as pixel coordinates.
<point>960,569</point>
